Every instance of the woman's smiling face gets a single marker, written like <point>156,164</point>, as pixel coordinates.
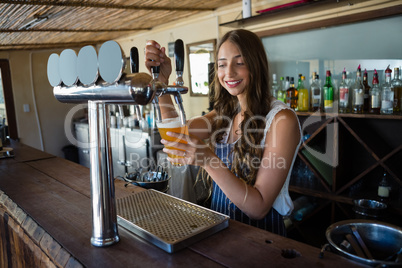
<point>232,72</point>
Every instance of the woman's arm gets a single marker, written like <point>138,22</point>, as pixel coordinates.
<point>281,142</point>
<point>155,55</point>
<point>201,127</point>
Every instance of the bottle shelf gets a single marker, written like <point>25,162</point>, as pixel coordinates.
<point>320,194</point>
<point>362,147</point>
<point>351,115</point>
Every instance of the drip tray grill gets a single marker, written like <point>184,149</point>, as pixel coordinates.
<point>166,221</point>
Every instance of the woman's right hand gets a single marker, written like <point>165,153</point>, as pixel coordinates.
<point>155,56</point>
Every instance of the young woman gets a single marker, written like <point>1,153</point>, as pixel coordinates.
<point>251,138</point>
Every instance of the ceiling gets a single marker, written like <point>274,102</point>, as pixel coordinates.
<point>62,23</point>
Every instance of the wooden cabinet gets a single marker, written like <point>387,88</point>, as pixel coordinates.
<point>343,158</point>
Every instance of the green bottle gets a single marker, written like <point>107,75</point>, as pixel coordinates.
<point>328,90</point>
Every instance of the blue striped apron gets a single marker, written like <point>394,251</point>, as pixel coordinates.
<point>273,221</point>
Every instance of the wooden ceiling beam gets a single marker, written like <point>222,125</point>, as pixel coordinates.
<point>21,46</point>
<point>100,5</point>
<point>72,30</point>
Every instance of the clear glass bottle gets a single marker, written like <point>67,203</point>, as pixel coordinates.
<point>357,93</point>
<point>287,83</point>
<point>281,91</point>
<point>366,92</point>
<point>292,95</point>
<point>328,94</point>
<point>302,99</point>
<point>396,86</point>
<point>275,86</point>
<point>344,94</point>
<point>315,93</point>
<point>387,95</point>
<point>375,95</point>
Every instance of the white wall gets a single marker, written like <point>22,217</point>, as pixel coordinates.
<point>43,126</point>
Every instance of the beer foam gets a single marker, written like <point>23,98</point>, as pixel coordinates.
<point>169,123</point>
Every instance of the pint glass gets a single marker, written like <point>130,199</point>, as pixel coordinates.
<point>172,125</point>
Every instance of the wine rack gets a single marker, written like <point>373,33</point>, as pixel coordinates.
<point>343,158</point>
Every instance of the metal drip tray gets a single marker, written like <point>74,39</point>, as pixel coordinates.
<point>166,221</point>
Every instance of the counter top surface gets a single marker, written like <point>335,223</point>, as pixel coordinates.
<point>56,194</point>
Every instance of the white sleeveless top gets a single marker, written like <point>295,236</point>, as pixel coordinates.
<point>283,203</point>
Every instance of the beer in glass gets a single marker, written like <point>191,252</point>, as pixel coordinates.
<point>172,125</point>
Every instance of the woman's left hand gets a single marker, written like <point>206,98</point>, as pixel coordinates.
<point>195,152</point>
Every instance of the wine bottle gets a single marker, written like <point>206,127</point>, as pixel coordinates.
<point>396,86</point>
<point>384,189</point>
<point>366,92</point>
<point>387,95</point>
<point>357,93</point>
<point>375,95</point>
<point>344,94</point>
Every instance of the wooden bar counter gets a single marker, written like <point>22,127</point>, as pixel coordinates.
<point>46,221</point>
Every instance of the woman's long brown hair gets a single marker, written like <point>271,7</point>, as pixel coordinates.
<point>258,95</point>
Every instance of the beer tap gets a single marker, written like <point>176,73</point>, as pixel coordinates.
<point>163,89</point>
<point>156,84</point>
<point>115,87</point>
<point>134,67</point>
<point>179,60</point>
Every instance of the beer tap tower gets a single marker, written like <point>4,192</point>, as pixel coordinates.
<point>112,87</point>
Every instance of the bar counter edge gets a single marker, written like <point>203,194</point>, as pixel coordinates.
<point>45,221</point>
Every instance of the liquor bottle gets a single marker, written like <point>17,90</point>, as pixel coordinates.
<point>387,95</point>
<point>375,95</point>
<point>287,83</point>
<point>302,99</point>
<point>328,93</point>
<point>384,189</point>
<point>281,91</point>
<point>291,95</point>
<point>315,93</point>
<point>275,86</point>
<point>366,92</point>
<point>357,93</point>
<point>344,94</point>
<point>396,86</point>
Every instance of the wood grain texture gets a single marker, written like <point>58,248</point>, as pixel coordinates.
<point>47,203</point>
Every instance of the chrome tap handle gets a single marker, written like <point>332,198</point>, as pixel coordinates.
<point>134,64</point>
<point>179,101</point>
<point>155,72</point>
<point>179,59</point>
<point>157,109</point>
<point>138,113</point>
<point>134,60</point>
<point>157,86</point>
